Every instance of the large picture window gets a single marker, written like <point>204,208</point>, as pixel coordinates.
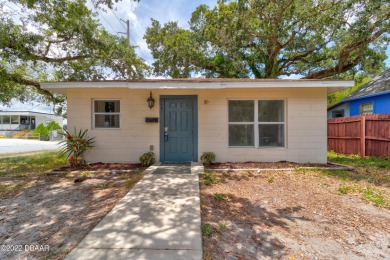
<point>256,123</point>
<point>106,113</point>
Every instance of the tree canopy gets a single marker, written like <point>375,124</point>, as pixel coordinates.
<point>274,38</point>
<point>58,40</point>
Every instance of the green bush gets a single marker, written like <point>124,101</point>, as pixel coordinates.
<point>208,158</point>
<point>42,132</point>
<point>147,159</point>
<point>53,126</point>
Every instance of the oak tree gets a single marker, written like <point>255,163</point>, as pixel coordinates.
<point>274,38</point>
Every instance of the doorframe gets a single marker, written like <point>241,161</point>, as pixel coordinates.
<point>195,124</point>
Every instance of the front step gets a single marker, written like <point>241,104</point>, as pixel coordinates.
<point>21,134</point>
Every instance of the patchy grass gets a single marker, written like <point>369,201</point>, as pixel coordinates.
<point>24,166</point>
<point>373,169</point>
<point>376,196</point>
<point>9,188</point>
<point>220,196</point>
<point>133,180</point>
<point>27,192</point>
<point>222,226</point>
<point>15,171</point>
<point>347,176</point>
<point>207,229</point>
<point>209,178</point>
<point>369,173</point>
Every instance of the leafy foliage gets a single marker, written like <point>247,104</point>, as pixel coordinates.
<point>59,40</point>
<point>147,159</point>
<point>207,158</point>
<point>74,146</point>
<point>44,131</point>
<point>337,96</point>
<point>270,39</point>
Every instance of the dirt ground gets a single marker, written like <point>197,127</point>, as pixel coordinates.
<point>290,215</point>
<point>104,166</point>
<point>50,216</point>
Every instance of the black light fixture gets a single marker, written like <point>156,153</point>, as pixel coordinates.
<point>150,101</point>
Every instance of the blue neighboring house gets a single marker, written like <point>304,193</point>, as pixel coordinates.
<point>371,98</point>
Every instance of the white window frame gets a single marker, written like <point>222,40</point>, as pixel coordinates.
<point>106,113</point>
<point>365,104</point>
<point>256,123</point>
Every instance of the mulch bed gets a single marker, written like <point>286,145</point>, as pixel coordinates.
<point>105,167</point>
<point>266,165</point>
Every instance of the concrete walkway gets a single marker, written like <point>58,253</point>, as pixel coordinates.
<point>158,219</point>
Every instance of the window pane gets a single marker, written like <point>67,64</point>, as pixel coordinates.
<point>102,106</point>
<point>271,111</point>
<point>338,113</point>
<point>15,120</point>
<point>241,111</point>
<point>271,135</point>
<point>6,119</point>
<point>366,109</point>
<point>241,135</point>
<point>107,121</point>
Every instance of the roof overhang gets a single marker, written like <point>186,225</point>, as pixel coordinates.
<point>331,85</point>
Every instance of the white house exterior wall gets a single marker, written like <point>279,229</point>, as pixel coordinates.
<point>39,118</point>
<point>306,128</point>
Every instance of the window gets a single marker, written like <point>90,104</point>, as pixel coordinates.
<point>15,120</point>
<point>241,123</point>
<point>271,123</point>
<point>6,119</point>
<point>338,113</point>
<point>106,113</point>
<point>256,123</point>
<point>366,109</point>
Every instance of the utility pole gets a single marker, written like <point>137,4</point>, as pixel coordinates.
<point>127,22</point>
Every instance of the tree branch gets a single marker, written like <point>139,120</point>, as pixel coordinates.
<point>27,82</point>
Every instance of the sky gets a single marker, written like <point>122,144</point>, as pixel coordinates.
<point>139,14</point>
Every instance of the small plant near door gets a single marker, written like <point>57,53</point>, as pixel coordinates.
<point>208,158</point>
<point>74,146</point>
<point>147,159</point>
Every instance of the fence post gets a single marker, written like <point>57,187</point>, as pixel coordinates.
<point>363,137</point>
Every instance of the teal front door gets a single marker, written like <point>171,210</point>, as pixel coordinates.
<point>178,128</point>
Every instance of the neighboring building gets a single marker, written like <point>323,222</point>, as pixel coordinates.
<point>238,119</point>
<point>25,120</point>
<point>371,98</point>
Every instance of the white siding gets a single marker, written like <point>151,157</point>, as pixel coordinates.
<point>305,124</point>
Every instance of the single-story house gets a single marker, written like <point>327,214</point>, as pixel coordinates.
<point>178,119</point>
<point>371,98</point>
<point>25,120</point>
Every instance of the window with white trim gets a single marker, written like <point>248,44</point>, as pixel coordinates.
<point>366,109</point>
<point>259,123</point>
<point>106,113</point>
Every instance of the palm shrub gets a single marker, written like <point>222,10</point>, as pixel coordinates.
<point>74,146</point>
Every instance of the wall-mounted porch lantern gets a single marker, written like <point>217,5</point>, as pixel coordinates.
<point>150,101</point>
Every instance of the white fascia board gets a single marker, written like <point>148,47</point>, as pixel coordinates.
<point>332,85</point>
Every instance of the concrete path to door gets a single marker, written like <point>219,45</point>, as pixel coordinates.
<point>158,219</point>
